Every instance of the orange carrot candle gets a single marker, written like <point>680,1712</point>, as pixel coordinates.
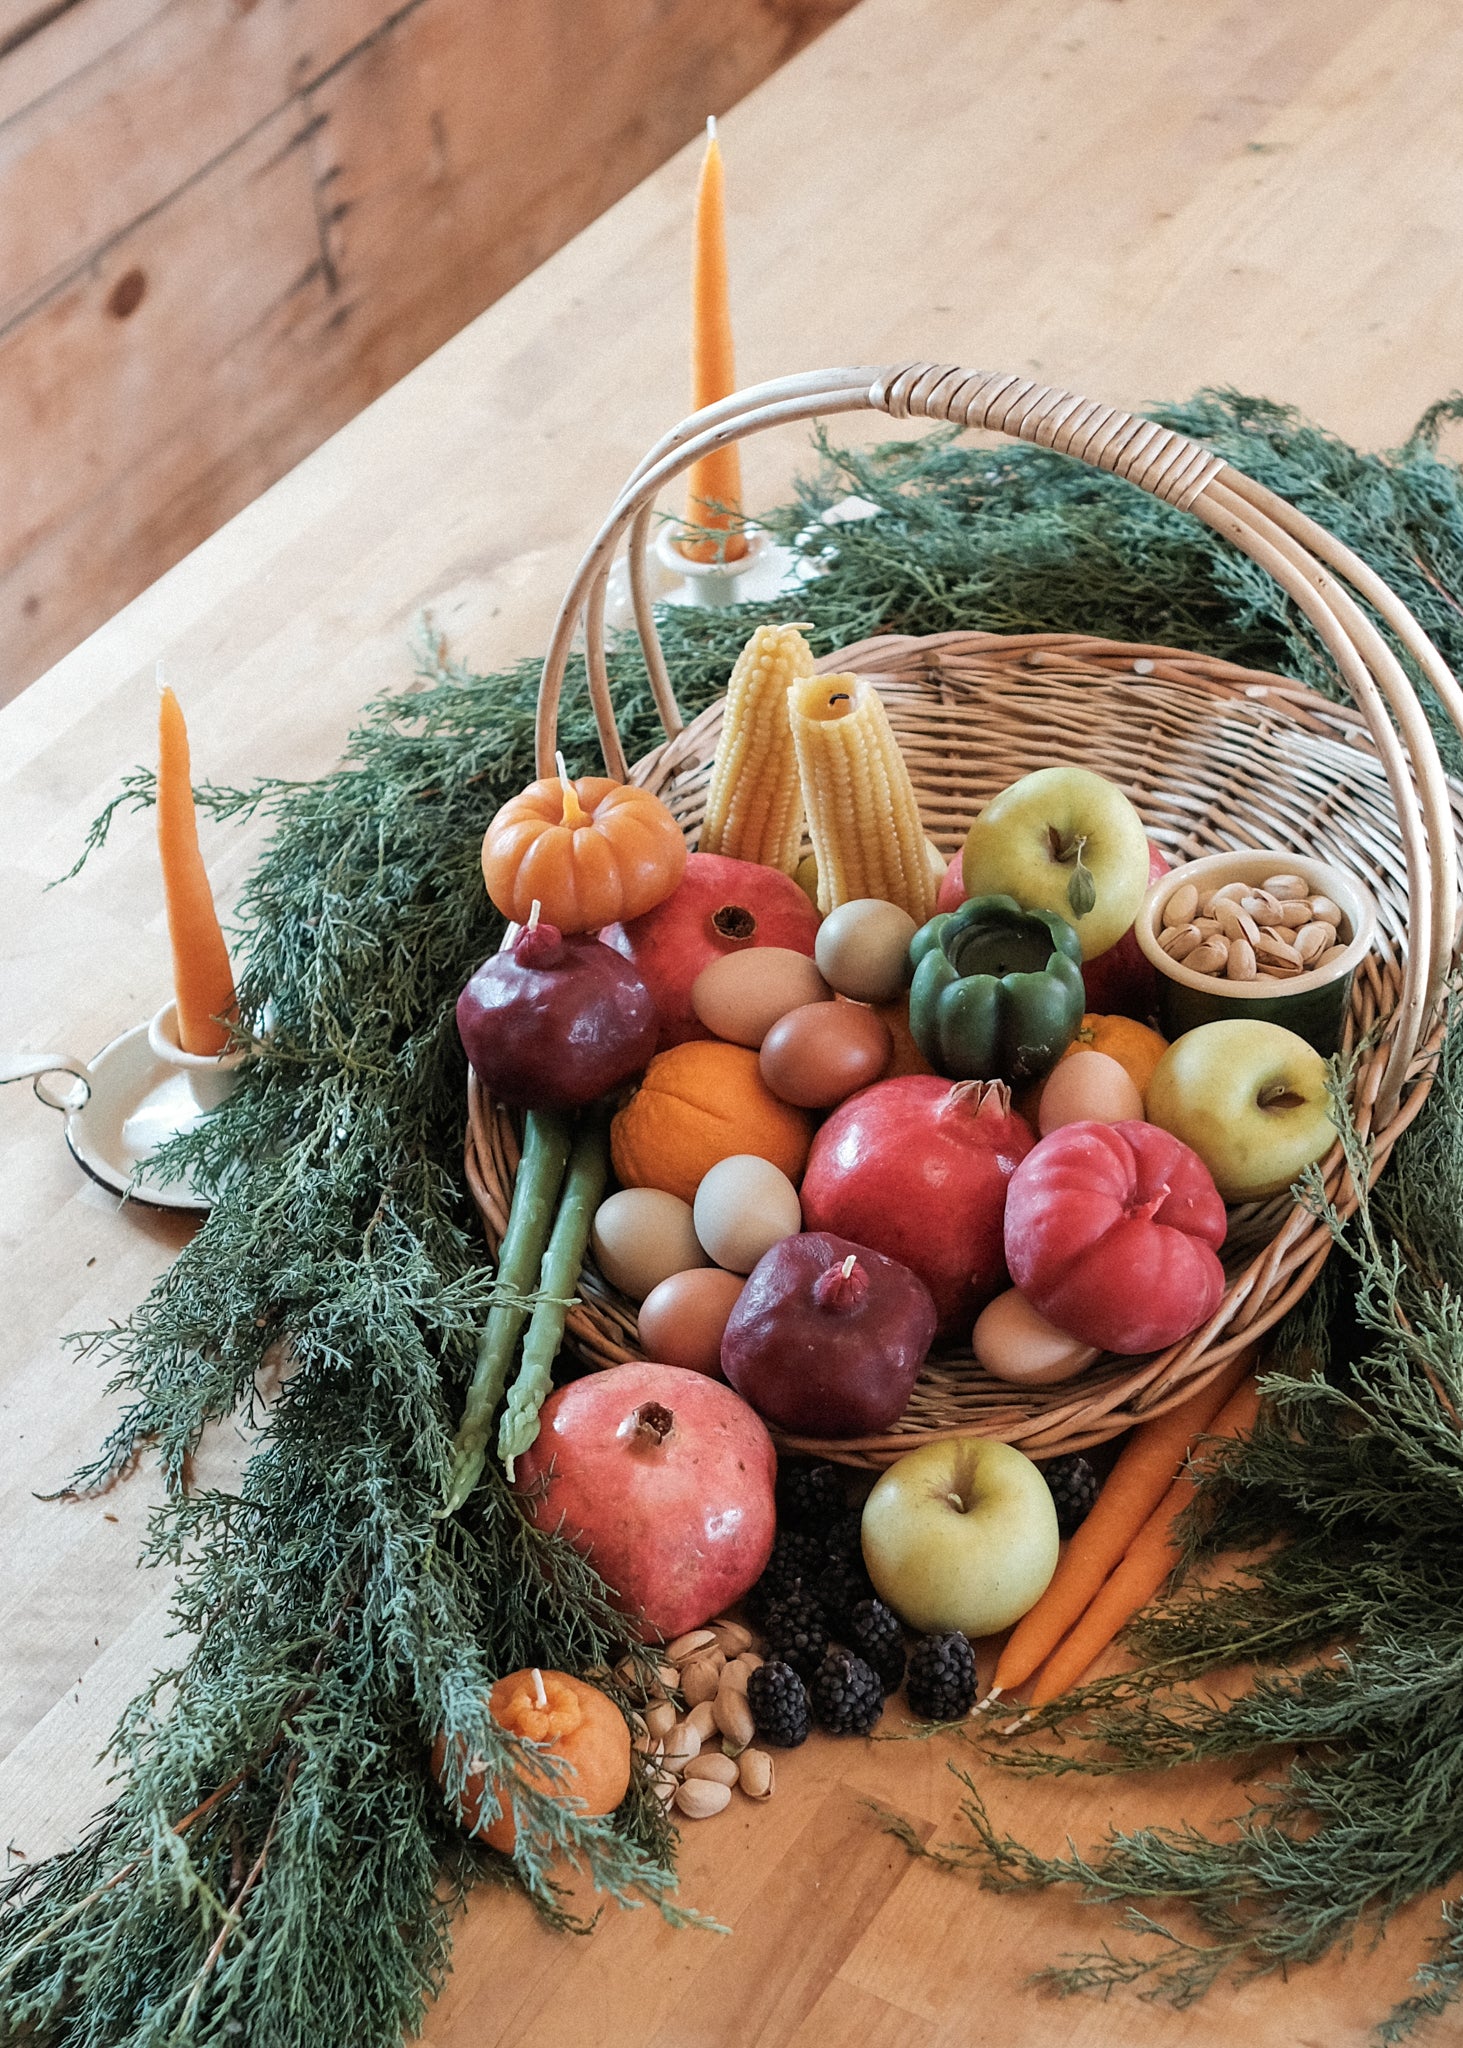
<point>202,978</point>
<point>1146,1563</point>
<point>1146,1468</point>
<point>717,478</point>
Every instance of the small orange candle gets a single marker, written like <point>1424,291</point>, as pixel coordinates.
<point>203,980</point>
<point>715,480</point>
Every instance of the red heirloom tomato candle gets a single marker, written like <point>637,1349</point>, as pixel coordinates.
<point>1112,1233</point>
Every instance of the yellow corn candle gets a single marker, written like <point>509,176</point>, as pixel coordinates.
<point>717,478</point>
<point>862,816</point>
<point>754,803</point>
<point>203,980</point>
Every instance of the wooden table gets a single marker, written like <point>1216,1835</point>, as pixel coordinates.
<point>1133,199</point>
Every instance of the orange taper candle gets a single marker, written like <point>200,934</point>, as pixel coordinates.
<point>717,478</point>
<point>202,977</point>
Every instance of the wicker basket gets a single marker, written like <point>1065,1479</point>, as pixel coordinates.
<point>1213,756</point>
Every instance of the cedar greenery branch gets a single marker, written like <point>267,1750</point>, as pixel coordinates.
<point>274,1858</point>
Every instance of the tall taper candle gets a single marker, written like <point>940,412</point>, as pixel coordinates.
<point>717,478</point>
<point>203,980</point>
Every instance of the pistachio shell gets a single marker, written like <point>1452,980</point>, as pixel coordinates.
<point>700,1679</point>
<point>734,1717</point>
<point>703,1720</point>
<point>701,1798</point>
<point>680,1746</point>
<point>739,1671</point>
<point>1181,906</point>
<point>713,1765</point>
<point>755,1773</point>
<point>1274,948</point>
<point>688,1645</point>
<point>731,1637</point>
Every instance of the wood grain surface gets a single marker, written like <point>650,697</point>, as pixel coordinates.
<point>1134,199</point>
<point>226,225</point>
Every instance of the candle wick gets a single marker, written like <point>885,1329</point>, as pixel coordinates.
<point>540,1697</point>
<point>574,815</point>
<point>533,915</point>
<point>711,127</point>
<point>849,1263</point>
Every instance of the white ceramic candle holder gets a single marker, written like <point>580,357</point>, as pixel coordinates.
<point>139,1091</point>
<point>767,570</point>
<point>198,1082</point>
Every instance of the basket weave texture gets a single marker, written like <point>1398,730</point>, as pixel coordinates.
<point>1215,758</point>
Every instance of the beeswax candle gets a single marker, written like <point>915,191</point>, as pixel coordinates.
<point>716,480</point>
<point>203,980</point>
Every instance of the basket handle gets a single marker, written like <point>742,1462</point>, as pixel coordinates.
<point>1310,566</point>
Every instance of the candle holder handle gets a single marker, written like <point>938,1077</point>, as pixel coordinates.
<point>35,1066</point>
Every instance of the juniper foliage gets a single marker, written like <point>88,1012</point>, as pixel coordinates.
<point>271,1863</point>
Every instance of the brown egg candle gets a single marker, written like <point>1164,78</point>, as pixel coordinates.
<point>822,1053</point>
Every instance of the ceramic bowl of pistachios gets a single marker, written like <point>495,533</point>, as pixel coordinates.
<point>1271,935</point>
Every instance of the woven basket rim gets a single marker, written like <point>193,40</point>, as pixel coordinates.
<point>1115,1393</point>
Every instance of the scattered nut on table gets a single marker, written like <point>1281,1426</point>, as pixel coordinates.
<point>700,1798</point>
<point>715,1765</point>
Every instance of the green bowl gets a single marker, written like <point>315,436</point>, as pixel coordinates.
<point>1313,1005</point>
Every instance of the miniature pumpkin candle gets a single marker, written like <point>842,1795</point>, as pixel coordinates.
<point>590,851</point>
<point>576,1724</point>
<point>716,479</point>
<point>203,980</point>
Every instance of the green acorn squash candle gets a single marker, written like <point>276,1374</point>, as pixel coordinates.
<point>997,991</point>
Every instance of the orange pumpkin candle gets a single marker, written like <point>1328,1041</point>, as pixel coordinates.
<point>715,479</point>
<point>203,980</point>
<point>574,1722</point>
<point>588,852</point>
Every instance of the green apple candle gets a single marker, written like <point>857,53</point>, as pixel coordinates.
<point>1063,840</point>
<point>961,1534</point>
<point>1250,1098</point>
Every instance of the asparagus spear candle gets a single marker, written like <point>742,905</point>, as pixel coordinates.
<point>203,980</point>
<point>716,480</point>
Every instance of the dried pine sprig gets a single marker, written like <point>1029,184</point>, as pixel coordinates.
<point>270,1867</point>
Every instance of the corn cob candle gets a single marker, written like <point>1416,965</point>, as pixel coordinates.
<point>754,803</point>
<point>862,816</point>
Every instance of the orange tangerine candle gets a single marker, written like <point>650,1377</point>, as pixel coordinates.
<point>203,980</point>
<point>716,479</point>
